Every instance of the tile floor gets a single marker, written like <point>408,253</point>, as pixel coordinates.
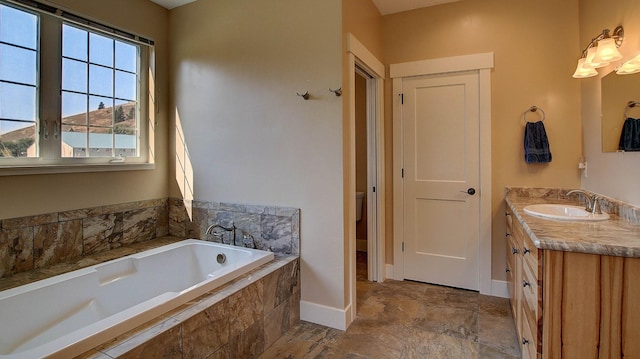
<point>408,320</point>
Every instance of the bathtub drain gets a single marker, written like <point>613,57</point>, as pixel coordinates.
<point>221,258</point>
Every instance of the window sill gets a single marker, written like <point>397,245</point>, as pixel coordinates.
<point>80,168</point>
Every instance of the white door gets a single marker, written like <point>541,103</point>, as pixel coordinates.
<point>440,115</point>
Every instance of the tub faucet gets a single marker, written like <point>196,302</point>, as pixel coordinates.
<point>248,237</point>
<point>231,229</point>
<point>593,201</point>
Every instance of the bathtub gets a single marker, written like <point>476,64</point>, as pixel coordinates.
<point>68,314</point>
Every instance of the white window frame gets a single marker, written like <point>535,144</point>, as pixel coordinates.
<point>49,102</point>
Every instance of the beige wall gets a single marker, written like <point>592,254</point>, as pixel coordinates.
<point>236,66</point>
<point>37,194</point>
<point>613,174</point>
<point>363,20</point>
<point>535,48</point>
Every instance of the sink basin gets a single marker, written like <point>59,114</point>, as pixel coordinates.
<point>564,212</point>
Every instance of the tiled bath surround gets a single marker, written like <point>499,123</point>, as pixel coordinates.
<point>239,320</point>
<point>273,228</point>
<point>39,241</point>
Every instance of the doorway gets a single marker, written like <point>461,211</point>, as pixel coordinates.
<point>366,173</point>
<point>364,68</point>
<point>476,192</point>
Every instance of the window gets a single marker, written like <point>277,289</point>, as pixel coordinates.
<point>99,95</point>
<point>18,82</point>
<point>71,91</point>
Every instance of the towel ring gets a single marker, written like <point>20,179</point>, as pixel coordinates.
<point>630,104</point>
<point>534,109</point>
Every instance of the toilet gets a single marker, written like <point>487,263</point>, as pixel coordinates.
<point>359,201</point>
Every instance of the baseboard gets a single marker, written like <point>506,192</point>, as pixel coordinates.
<point>323,315</point>
<point>499,288</point>
<point>361,245</point>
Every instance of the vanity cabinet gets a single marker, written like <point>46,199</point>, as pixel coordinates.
<point>523,275</point>
<point>568,304</point>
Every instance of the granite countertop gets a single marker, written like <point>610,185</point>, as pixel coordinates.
<point>614,237</point>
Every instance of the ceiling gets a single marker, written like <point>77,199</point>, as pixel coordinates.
<point>170,4</point>
<point>384,6</point>
<point>387,7</point>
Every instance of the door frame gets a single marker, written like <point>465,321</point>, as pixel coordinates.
<point>358,54</point>
<point>372,171</point>
<point>482,63</point>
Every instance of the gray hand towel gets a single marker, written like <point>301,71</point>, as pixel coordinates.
<point>536,143</point>
<point>630,135</point>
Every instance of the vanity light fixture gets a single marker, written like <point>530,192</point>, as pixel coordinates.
<point>590,62</point>
<point>583,71</point>
<point>602,50</point>
<point>630,67</point>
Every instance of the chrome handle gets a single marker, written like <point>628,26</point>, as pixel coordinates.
<point>507,213</point>
<point>514,251</point>
<point>46,129</point>
<point>507,234</point>
<point>526,250</point>
<point>507,270</point>
<point>525,284</point>
<point>217,236</point>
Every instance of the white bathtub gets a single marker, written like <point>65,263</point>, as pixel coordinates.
<point>68,314</point>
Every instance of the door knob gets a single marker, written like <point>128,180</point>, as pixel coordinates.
<point>471,191</point>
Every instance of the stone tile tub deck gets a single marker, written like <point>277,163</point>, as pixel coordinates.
<point>239,319</point>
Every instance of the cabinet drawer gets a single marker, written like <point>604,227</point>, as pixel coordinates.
<point>512,280</point>
<point>529,254</point>
<point>513,301</point>
<point>509,216</point>
<point>512,253</point>
<point>529,298</point>
<point>518,231</point>
<point>528,341</point>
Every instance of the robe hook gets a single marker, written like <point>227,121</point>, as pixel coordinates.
<point>337,92</point>
<point>304,95</point>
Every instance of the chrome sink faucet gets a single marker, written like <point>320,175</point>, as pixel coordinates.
<point>231,229</point>
<point>593,201</point>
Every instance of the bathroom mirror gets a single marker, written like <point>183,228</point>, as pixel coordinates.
<point>617,91</point>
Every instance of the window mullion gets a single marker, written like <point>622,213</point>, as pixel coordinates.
<point>50,85</point>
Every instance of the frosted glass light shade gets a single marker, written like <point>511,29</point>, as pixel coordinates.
<point>590,62</point>
<point>628,68</point>
<point>607,51</point>
<point>582,72</point>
